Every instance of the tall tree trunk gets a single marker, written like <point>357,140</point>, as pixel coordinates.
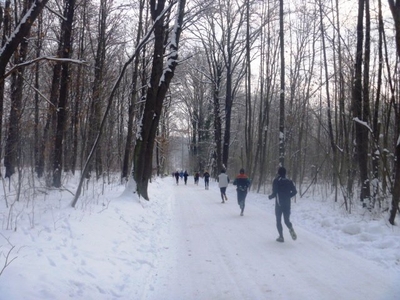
<point>37,145</point>
<point>13,147</point>
<point>11,41</point>
<point>395,9</point>
<point>282,89</point>
<point>217,115</point>
<point>361,105</point>
<point>6,27</point>
<point>97,93</point>
<point>249,111</point>
<point>64,91</point>
<point>376,124</point>
<point>328,99</point>
<point>131,112</point>
<point>228,114</point>
<point>158,87</point>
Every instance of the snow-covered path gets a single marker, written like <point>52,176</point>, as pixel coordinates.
<point>213,253</point>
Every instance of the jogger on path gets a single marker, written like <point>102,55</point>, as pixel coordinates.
<point>243,183</point>
<point>282,190</point>
<point>223,181</point>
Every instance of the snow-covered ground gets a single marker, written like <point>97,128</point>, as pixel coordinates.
<point>185,244</point>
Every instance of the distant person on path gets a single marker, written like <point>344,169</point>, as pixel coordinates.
<point>185,176</point>
<point>196,178</point>
<point>177,177</point>
<point>206,176</point>
<point>242,183</point>
<point>282,190</point>
<point>223,181</point>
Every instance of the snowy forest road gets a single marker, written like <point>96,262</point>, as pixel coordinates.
<point>213,253</point>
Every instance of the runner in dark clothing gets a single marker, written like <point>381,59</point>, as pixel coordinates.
<point>206,176</point>
<point>196,178</point>
<point>282,190</point>
<point>242,183</point>
<point>177,177</point>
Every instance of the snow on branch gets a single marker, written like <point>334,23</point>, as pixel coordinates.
<point>20,32</point>
<point>172,57</point>
<point>140,45</point>
<point>49,58</point>
<point>363,123</point>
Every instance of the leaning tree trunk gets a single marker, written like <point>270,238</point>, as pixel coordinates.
<point>11,43</point>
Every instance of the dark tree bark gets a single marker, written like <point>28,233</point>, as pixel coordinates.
<point>133,97</point>
<point>217,74</point>
<point>51,119</point>
<point>361,107</point>
<point>215,67</point>
<point>249,106</point>
<point>395,9</point>
<point>37,145</point>
<point>97,93</point>
<point>64,90</point>
<point>282,89</point>
<point>15,39</point>
<point>328,99</point>
<point>12,155</point>
<point>6,26</point>
<point>376,124</point>
<point>78,95</point>
<point>158,87</point>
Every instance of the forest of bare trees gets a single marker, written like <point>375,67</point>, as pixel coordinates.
<point>91,88</point>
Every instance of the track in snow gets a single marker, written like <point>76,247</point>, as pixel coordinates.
<point>213,253</point>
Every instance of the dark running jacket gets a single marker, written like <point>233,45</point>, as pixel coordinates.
<point>283,189</point>
<point>242,183</point>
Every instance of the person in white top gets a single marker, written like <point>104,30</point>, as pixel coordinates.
<point>223,181</point>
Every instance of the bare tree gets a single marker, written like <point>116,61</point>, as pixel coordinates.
<point>133,98</point>
<point>361,109</point>
<point>282,89</point>
<point>9,46</point>
<point>395,9</point>
<point>158,86</point>
<point>66,42</point>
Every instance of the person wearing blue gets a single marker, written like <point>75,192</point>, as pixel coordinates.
<point>185,176</point>
<point>223,181</point>
<point>206,176</point>
<point>283,189</point>
<point>242,183</point>
<point>177,177</point>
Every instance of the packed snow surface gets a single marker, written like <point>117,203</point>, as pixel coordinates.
<point>185,244</point>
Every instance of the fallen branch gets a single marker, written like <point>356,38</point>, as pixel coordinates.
<point>7,261</point>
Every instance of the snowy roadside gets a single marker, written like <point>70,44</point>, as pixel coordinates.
<point>367,234</point>
<point>108,246</point>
